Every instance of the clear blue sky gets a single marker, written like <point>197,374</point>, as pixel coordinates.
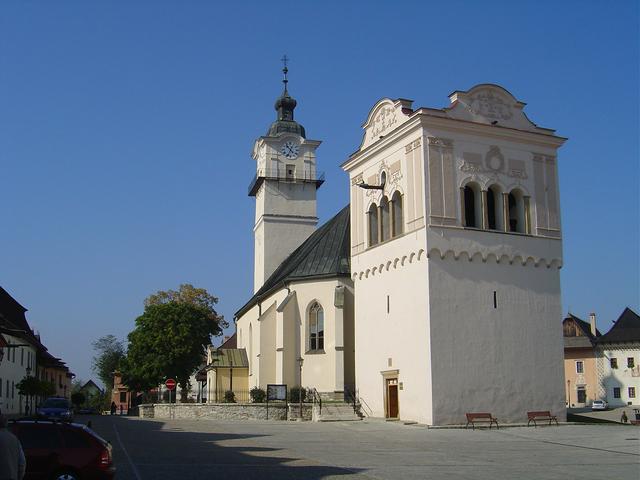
<point>126,130</point>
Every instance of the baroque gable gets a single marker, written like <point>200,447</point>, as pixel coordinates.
<point>385,116</point>
<point>493,105</point>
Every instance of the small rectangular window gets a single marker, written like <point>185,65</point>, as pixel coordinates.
<point>579,366</point>
<point>632,392</point>
<point>630,362</point>
<point>616,392</point>
<point>614,362</point>
<point>123,397</point>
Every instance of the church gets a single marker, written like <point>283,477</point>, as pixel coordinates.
<point>436,291</point>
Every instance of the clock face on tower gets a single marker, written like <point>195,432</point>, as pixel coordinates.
<point>290,149</point>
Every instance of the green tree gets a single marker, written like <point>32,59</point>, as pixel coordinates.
<point>29,386</point>
<point>77,398</point>
<point>190,295</point>
<point>168,342</point>
<point>109,353</point>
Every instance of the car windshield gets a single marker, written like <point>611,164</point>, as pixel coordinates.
<point>55,403</point>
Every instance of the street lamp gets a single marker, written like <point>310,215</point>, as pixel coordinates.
<point>300,361</point>
<point>26,407</point>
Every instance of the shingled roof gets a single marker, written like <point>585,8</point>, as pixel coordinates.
<point>587,339</point>
<point>626,328</point>
<point>324,254</point>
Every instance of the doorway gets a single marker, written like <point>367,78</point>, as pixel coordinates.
<point>392,398</point>
<point>582,395</point>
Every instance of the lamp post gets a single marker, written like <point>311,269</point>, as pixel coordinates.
<point>568,393</point>
<point>300,361</point>
<point>26,407</point>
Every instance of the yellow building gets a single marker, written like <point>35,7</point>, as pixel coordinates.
<point>580,372</point>
<point>227,370</point>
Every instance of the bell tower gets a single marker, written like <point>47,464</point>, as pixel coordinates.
<point>284,187</point>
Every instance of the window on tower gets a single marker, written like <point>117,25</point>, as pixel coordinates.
<point>516,211</point>
<point>495,213</point>
<point>472,206</point>
<point>385,221</point>
<point>396,217</point>
<point>373,225</point>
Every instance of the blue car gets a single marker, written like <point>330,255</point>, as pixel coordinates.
<point>56,408</point>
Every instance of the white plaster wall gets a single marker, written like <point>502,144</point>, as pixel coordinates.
<point>402,334</point>
<point>275,239</point>
<point>13,369</point>
<point>506,360</point>
<point>319,369</point>
<point>623,376</point>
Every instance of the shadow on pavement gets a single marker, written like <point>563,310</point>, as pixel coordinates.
<point>148,450</point>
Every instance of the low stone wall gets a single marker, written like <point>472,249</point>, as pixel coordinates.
<point>220,411</point>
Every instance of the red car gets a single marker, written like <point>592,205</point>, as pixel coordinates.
<point>63,451</point>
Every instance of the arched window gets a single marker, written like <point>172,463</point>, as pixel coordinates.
<point>494,208</point>
<point>472,206</point>
<point>316,327</point>
<point>385,219</point>
<point>396,207</point>
<point>373,225</point>
<point>516,211</point>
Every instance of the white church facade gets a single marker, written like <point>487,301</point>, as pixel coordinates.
<point>436,292</point>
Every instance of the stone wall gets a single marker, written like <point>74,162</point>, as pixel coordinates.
<point>221,411</point>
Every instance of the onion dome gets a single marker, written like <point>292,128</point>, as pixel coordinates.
<point>285,104</point>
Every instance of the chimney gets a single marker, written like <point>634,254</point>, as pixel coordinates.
<point>592,321</point>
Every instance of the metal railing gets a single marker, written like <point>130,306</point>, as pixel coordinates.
<point>283,175</point>
<point>360,407</point>
<point>317,400</point>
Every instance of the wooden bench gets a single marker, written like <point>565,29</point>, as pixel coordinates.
<point>541,415</point>
<point>472,418</point>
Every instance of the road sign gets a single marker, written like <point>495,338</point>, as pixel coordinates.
<point>170,384</point>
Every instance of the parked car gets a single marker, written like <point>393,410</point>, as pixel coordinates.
<point>63,451</point>
<point>599,405</point>
<point>55,408</point>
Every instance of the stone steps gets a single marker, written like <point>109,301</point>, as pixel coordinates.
<point>336,412</point>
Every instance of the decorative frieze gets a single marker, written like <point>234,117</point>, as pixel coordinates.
<point>490,105</point>
<point>412,146</point>
<point>383,121</point>
<point>440,142</point>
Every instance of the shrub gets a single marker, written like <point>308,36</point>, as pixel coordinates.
<point>257,395</point>
<point>229,397</point>
<point>296,392</point>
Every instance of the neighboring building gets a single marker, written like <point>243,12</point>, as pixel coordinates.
<point>227,369</point>
<point>18,351</point>
<point>455,255</point>
<point>302,307</point>
<point>437,292</point>
<point>618,360</point>
<point>120,395</point>
<point>54,370</point>
<point>580,369</point>
<point>90,390</point>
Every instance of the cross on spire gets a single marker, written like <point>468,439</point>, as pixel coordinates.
<point>285,70</point>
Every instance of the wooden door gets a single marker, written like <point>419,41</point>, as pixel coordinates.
<point>392,398</point>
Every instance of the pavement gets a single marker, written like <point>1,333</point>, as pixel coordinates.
<point>372,449</point>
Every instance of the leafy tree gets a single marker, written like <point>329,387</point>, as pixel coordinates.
<point>29,386</point>
<point>190,295</point>
<point>109,353</point>
<point>168,342</point>
<point>77,398</point>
